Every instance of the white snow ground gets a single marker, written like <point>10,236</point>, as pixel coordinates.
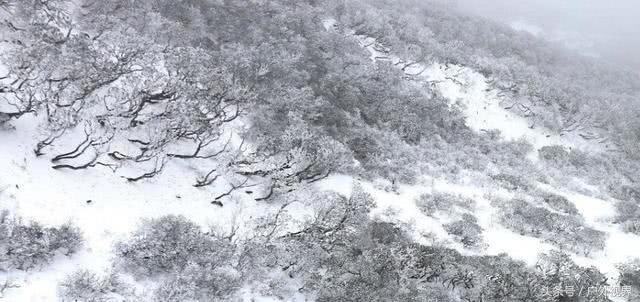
<point>34,191</point>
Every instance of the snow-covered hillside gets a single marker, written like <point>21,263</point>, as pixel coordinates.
<point>285,166</point>
<point>104,205</point>
<point>484,109</point>
<point>107,208</point>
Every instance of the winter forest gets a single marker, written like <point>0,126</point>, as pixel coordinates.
<point>305,150</point>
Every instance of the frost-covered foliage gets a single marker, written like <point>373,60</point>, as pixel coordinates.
<point>565,231</point>
<point>628,216</point>
<point>560,271</point>
<point>630,277</point>
<point>551,86</point>
<point>372,261</point>
<point>198,265</point>
<point>315,101</point>
<point>564,165</point>
<point>466,230</point>
<point>86,286</point>
<point>197,282</point>
<point>556,202</point>
<point>105,73</point>
<point>144,79</point>
<point>340,254</point>
<point>165,244</point>
<point>183,72</point>
<point>430,204</point>
<point>513,182</point>
<point>28,246</point>
<point>556,154</point>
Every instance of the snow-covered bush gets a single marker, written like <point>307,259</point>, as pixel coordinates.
<point>558,270</point>
<point>86,286</point>
<point>27,246</point>
<point>199,283</point>
<point>630,192</point>
<point>565,231</point>
<point>385,155</point>
<point>66,238</point>
<point>466,230</point>
<point>168,244</point>
<point>554,154</point>
<point>195,265</point>
<point>557,202</point>
<point>429,204</point>
<point>386,232</point>
<point>512,182</point>
<point>628,216</point>
<point>583,160</point>
<point>630,276</point>
<point>384,273</point>
<point>294,154</point>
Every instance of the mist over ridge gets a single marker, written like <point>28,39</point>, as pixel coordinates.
<point>605,29</point>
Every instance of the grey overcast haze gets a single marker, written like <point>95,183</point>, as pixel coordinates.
<point>607,29</point>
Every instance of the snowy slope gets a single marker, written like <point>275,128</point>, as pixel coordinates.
<point>400,207</point>
<point>34,191</point>
<point>484,110</point>
<point>483,105</point>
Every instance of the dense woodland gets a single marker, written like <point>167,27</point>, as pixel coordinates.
<point>139,80</point>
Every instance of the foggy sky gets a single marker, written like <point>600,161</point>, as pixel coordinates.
<point>607,29</point>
